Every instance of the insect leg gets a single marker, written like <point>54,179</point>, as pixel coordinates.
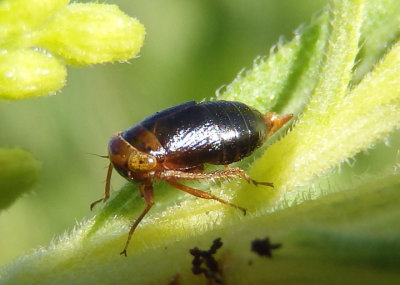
<point>248,178</point>
<point>148,195</point>
<point>201,194</point>
<point>234,172</point>
<point>107,188</point>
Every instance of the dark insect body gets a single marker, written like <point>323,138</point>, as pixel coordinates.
<point>174,144</point>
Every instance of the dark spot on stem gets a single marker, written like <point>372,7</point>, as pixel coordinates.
<point>264,247</point>
<point>205,263</point>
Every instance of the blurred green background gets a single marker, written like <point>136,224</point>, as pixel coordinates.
<point>191,49</point>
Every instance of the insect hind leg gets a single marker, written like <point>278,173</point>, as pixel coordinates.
<point>249,179</point>
<point>202,194</point>
<point>227,173</point>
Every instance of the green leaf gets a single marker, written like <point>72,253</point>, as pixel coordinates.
<point>284,80</point>
<point>380,30</point>
<point>338,122</point>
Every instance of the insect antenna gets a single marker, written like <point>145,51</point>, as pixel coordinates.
<point>102,156</point>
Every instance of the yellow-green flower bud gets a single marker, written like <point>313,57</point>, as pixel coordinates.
<point>92,33</point>
<point>19,171</point>
<point>19,16</point>
<point>27,73</point>
<point>37,38</point>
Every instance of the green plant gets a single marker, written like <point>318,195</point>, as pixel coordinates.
<point>339,76</point>
<point>37,40</point>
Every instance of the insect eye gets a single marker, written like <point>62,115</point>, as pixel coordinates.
<point>141,162</point>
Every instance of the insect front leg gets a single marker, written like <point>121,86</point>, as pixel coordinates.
<point>107,188</point>
<point>146,190</point>
<point>202,194</point>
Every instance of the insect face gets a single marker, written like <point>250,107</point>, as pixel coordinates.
<point>126,157</point>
